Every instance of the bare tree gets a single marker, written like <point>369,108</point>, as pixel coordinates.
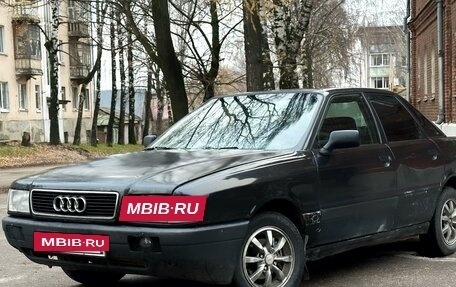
<point>110,131</point>
<point>96,109</point>
<point>131,93</point>
<point>164,54</point>
<point>83,94</point>
<point>203,62</point>
<point>52,47</point>
<point>148,102</point>
<point>253,43</point>
<point>123,86</point>
<point>326,50</point>
<point>290,23</point>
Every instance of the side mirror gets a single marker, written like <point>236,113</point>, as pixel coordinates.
<point>148,140</point>
<point>340,139</point>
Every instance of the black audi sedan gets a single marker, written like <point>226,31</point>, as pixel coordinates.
<point>246,189</point>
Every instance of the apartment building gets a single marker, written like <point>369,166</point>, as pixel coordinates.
<point>383,62</point>
<point>24,77</point>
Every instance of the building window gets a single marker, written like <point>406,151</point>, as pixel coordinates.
<point>403,61</point>
<point>38,97</point>
<point>86,99</point>
<point>77,10</point>
<point>28,43</point>
<point>380,82</point>
<point>4,98</point>
<point>75,97</point>
<point>2,41</point>
<point>22,92</point>
<point>380,60</point>
<point>63,93</point>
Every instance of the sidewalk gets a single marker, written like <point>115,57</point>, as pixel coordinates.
<point>8,175</point>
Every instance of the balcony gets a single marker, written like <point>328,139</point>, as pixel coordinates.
<point>26,12</point>
<point>78,29</point>
<point>78,72</point>
<point>28,67</point>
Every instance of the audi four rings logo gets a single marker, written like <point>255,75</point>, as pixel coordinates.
<point>70,204</point>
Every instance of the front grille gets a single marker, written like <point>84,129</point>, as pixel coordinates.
<point>98,205</point>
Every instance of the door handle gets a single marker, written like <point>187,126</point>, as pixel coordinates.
<point>386,159</point>
<point>434,154</point>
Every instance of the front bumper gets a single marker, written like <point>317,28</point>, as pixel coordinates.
<point>206,254</point>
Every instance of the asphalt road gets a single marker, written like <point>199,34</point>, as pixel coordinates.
<point>390,265</point>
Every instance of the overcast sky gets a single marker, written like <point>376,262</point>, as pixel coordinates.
<point>378,12</point>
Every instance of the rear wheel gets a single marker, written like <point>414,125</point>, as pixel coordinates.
<point>441,237</point>
<point>93,278</point>
<point>272,254</point>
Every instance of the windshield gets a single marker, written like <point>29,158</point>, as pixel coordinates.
<point>260,122</point>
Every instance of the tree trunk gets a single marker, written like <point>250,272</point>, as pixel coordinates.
<point>288,34</point>
<point>268,67</point>
<point>131,93</point>
<point>307,73</point>
<point>52,48</point>
<point>148,102</point>
<point>168,62</point>
<point>253,39</point>
<point>123,96</point>
<point>215,53</point>
<point>96,108</point>
<point>110,132</point>
<point>82,98</point>
<point>160,103</point>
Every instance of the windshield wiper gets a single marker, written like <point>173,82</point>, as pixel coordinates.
<point>224,147</point>
<point>159,148</point>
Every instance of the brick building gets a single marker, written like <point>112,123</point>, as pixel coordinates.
<point>426,74</point>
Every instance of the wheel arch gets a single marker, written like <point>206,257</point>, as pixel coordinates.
<point>286,208</point>
<point>450,181</point>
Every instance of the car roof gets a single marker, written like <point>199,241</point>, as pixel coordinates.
<point>325,92</point>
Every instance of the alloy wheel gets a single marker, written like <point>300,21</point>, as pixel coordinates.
<point>448,221</point>
<point>268,258</point>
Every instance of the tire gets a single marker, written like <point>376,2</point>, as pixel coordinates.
<point>93,278</point>
<point>441,237</point>
<point>280,264</point>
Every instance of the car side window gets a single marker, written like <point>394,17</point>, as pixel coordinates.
<point>429,128</point>
<point>348,112</point>
<point>398,123</point>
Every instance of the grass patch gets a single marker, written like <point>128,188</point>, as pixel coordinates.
<point>43,154</point>
<point>17,151</point>
<point>103,149</point>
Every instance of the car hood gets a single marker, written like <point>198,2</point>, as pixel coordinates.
<point>146,172</point>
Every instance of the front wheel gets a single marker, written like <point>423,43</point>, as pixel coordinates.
<point>93,278</point>
<point>441,237</point>
<point>272,254</point>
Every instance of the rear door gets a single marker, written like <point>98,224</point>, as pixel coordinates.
<point>357,185</point>
<point>419,163</point>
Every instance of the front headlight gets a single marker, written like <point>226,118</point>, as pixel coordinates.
<point>18,201</point>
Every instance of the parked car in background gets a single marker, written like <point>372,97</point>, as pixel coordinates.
<point>247,188</point>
